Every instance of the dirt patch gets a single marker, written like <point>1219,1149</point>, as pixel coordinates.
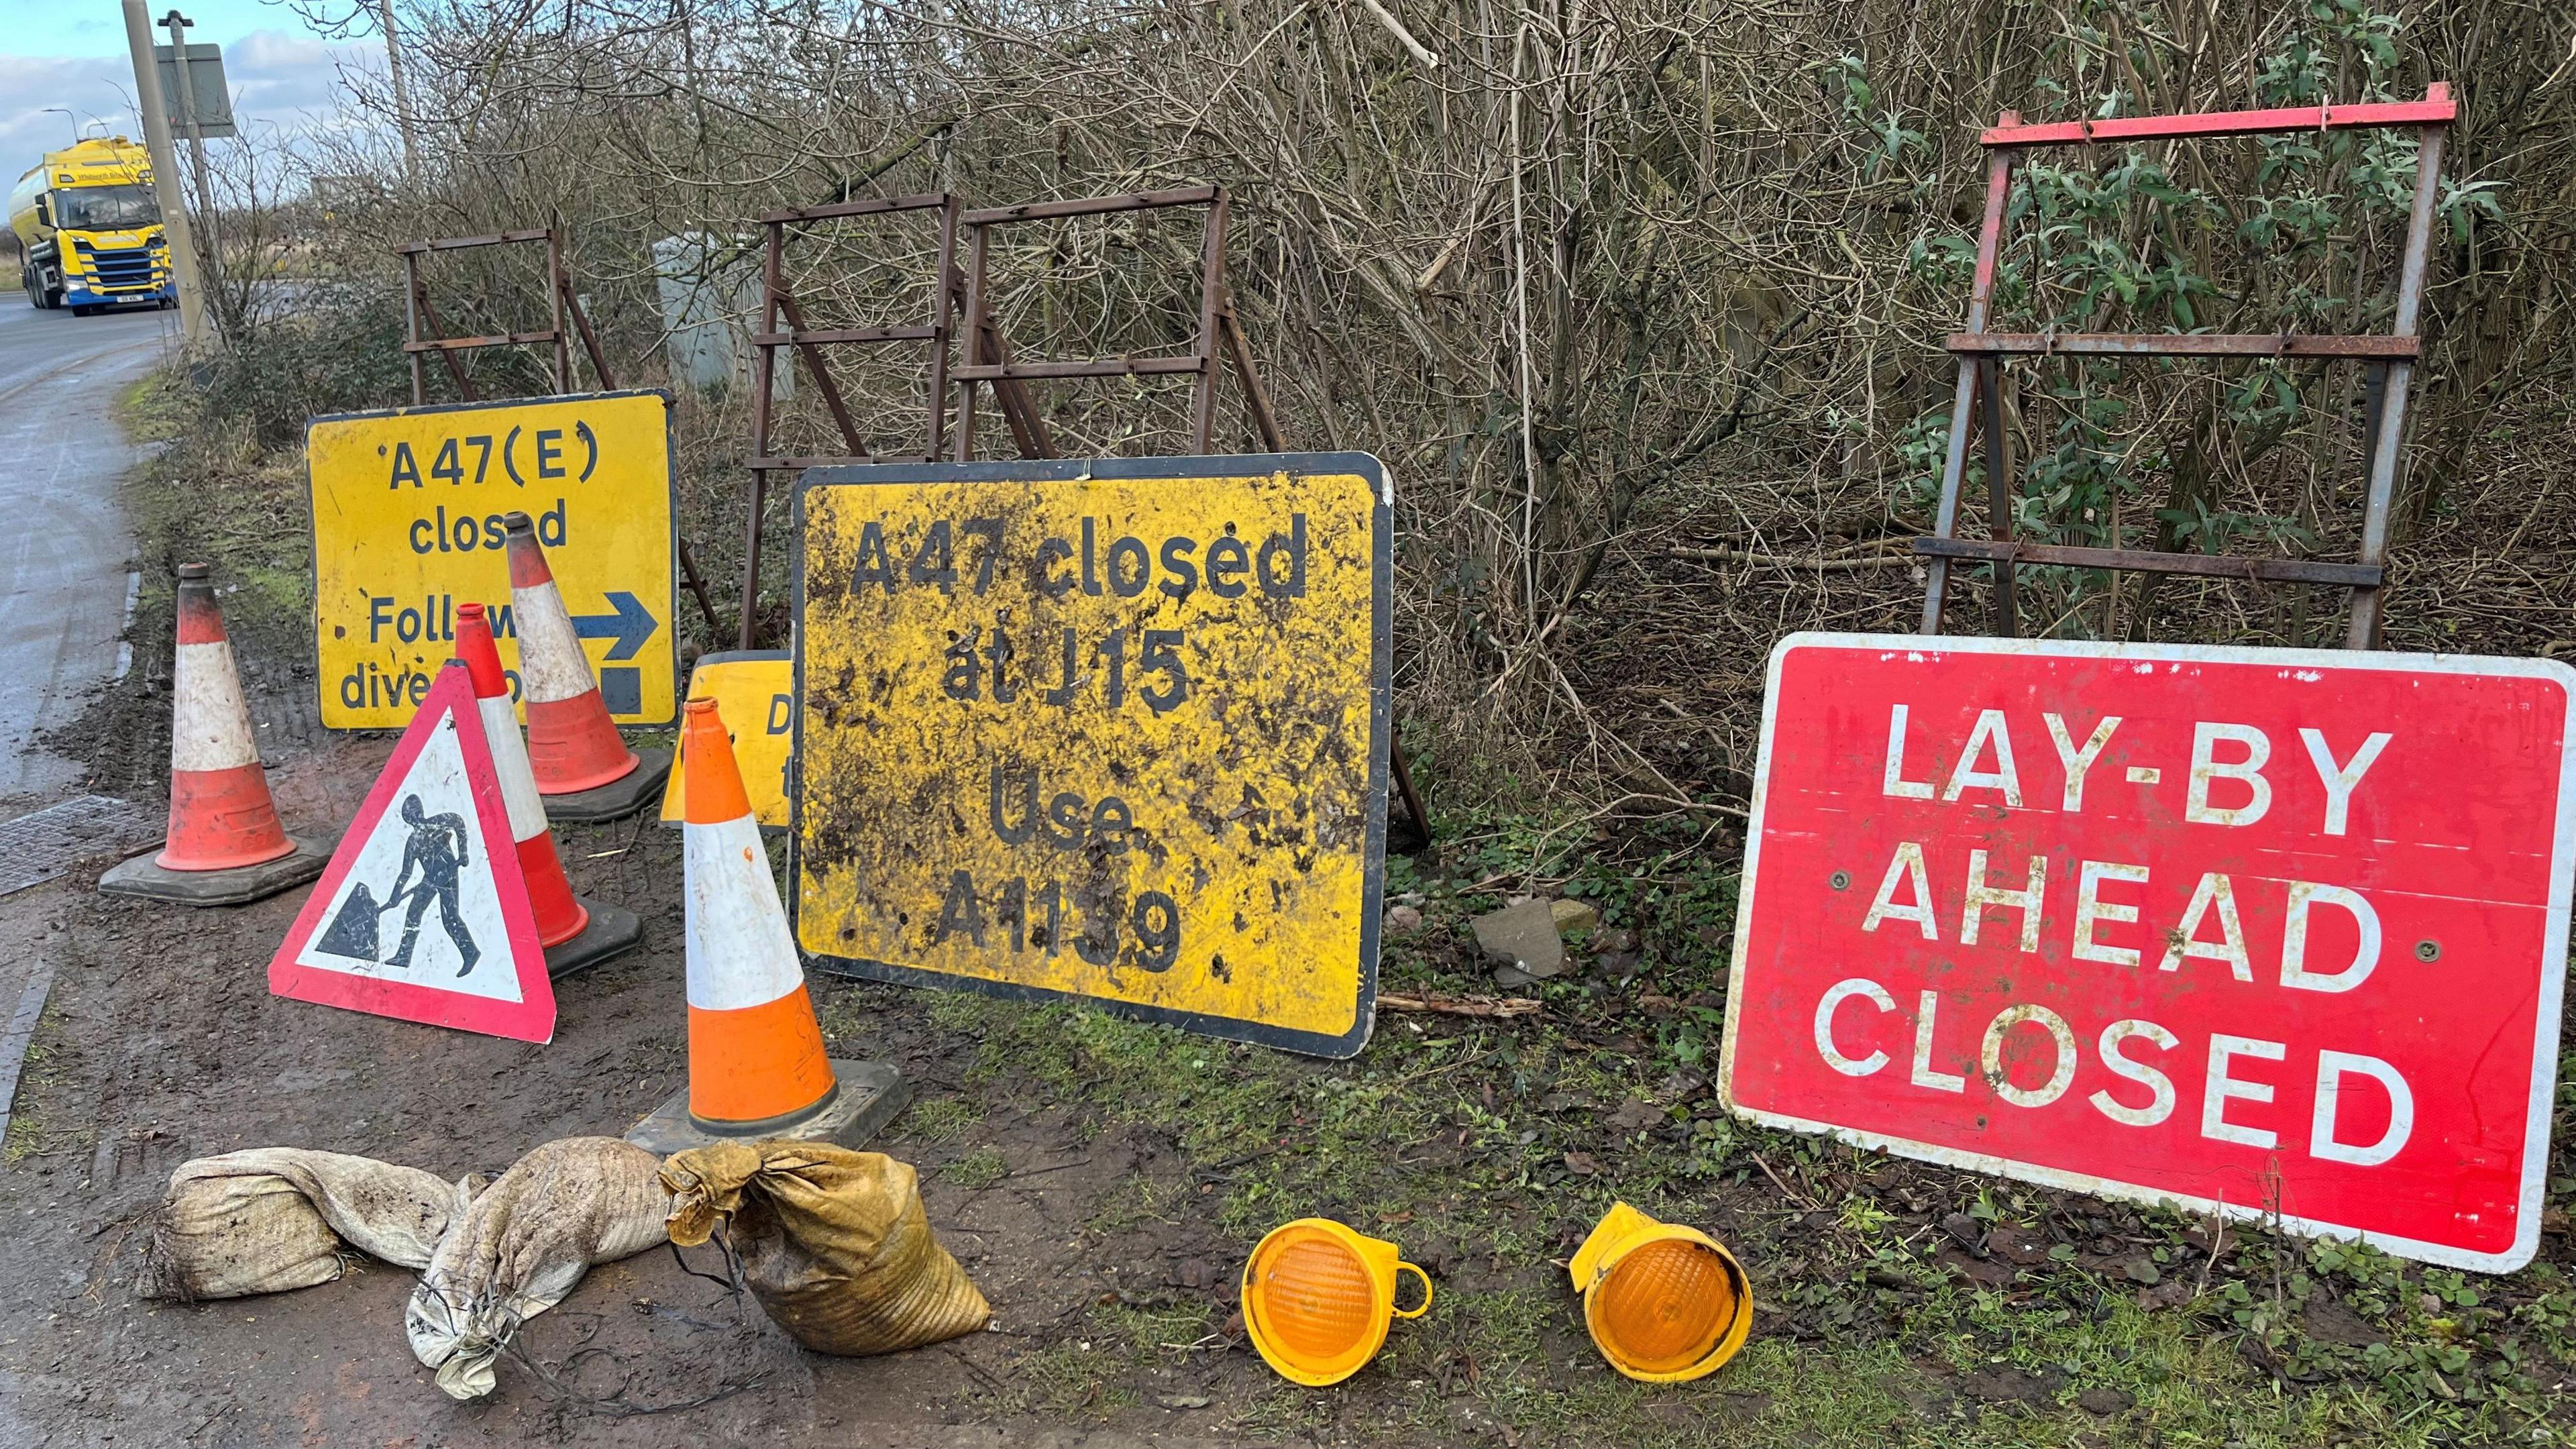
<point>165,1045</point>
<point>1102,1182</point>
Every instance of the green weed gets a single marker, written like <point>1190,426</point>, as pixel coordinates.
<point>978,1169</point>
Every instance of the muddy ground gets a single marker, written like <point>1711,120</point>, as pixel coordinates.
<point>1102,1181</point>
<point>161,1043</point>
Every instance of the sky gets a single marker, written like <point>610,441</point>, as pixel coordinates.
<point>72,53</point>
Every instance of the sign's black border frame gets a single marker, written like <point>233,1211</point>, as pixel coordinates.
<point>671,493</point>
<point>1381,725</point>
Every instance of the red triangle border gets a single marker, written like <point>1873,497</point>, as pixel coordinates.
<point>532,1017</point>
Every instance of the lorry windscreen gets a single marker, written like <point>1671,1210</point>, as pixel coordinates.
<point>106,208</point>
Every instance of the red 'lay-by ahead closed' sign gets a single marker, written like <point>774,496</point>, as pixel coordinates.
<point>2260,931</point>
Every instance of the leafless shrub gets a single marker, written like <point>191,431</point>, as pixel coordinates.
<point>1596,279</point>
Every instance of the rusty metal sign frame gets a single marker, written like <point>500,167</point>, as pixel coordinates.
<point>989,362</point>
<point>779,305</point>
<point>2389,358</point>
<point>1216,320</point>
<point>426,330</point>
<point>420,315</point>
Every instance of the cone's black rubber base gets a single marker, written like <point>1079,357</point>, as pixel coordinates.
<point>613,930</point>
<point>618,798</point>
<point>871,1094</point>
<point>140,878</point>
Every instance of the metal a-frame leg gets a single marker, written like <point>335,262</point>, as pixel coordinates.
<point>2388,435</point>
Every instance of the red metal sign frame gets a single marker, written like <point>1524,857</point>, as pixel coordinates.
<point>1977,404</point>
<point>2440,888</point>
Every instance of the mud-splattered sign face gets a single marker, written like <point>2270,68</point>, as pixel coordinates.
<point>1114,729</point>
<point>2275,933</point>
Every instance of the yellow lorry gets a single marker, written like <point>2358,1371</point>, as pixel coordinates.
<point>89,229</point>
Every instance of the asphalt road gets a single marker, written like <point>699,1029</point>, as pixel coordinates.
<point>64,555</point>
<point>63,568</point>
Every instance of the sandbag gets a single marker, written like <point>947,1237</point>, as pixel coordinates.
<point>523,1244</point>
<point>273,1218</point>
<point>833,1243</point>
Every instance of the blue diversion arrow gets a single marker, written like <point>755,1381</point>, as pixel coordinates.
<point>630,626</point>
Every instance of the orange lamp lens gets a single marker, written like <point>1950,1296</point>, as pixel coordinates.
<point>1317,1298</point>
<point>1664,1307</point>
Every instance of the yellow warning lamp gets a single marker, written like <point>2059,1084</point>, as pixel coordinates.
<point>1664,1303</point>
<point>1317,1298</point>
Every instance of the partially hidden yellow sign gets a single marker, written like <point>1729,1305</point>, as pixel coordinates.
<point>407,524</point>
<point>1112,729</point>
<point>755,695</point>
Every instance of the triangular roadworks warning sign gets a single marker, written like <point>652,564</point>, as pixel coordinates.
<point>423,915</point>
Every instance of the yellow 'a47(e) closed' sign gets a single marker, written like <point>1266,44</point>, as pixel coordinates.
<point>407,524</point>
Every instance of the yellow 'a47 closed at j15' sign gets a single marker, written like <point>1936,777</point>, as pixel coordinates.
<point>407,524</point>
<point>1112,729</point>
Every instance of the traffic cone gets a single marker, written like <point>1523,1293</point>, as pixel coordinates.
<point>225,844</point>
<point>580,761</point>
<point>575,933</point>
<point>757,1066</point>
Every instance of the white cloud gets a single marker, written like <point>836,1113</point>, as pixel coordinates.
<point>91,87</point>
<point>294,80</point>
<point>291,83</point>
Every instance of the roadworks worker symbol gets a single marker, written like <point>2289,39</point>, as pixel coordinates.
<point>409,521</point>
<point>423,914</point>
<point>1114,729</point>
<point>755,692</point>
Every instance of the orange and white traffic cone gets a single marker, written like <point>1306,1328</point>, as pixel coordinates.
<point>575,933</point>
<point>757,1066</point>
<point>225,843</point>
<point>580,761</point>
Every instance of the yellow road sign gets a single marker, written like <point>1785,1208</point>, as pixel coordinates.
<point>755,695</point>
<point>1114,729</point>
<point>407,510</point>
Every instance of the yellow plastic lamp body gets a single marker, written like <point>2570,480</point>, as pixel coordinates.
<point>1663,1303</point>
<point>1317,1299</point>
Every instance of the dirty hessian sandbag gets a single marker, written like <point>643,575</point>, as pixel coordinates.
<point>522,1246</point>
<point>273,1218</point>
<point>833,1243</point>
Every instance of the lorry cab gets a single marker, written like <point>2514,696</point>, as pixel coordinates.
<point>89,228</point>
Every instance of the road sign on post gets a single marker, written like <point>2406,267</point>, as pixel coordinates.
<point>407,524</point>
<point>2267,932</point>
<point>1112,729</point>
<point>201,100</point>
